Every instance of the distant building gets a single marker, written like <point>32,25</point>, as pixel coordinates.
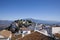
<point>44,29</point>
<point>25,31</point>
<point>39,27</point>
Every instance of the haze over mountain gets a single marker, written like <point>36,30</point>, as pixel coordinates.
<point>6,23</point>
<point>43,21</point>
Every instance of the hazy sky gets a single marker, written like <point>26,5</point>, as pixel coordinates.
<point>37,9</point>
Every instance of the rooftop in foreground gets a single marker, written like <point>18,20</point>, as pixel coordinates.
<point>36,36</point>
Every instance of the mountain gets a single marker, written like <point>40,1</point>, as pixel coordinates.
<point>4,24</point>
<point>43,21</point>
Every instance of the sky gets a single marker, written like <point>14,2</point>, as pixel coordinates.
<point>36,9</point>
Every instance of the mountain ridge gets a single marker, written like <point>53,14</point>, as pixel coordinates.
<point>43,21</point>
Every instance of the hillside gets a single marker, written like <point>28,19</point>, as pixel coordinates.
<point>43,21</point>
<point>4,24</point>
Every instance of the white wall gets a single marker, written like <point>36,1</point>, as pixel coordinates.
<point>1,36</point>
<point>55,30</point>
<point>25,33</point>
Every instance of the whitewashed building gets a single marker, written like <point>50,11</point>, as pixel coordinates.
<point>25,31</point>
<point>46,30</point>
<point>55,30</point>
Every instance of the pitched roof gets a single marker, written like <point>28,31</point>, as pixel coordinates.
<point>36,36</point>
<point>5,33</point>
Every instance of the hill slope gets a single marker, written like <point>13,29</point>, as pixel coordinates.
<point>4,24</point>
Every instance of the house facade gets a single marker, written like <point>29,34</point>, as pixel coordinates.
<point>55,30</point>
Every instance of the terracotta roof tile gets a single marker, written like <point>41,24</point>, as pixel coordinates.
<point>5,33</point>
<point>36,36</point>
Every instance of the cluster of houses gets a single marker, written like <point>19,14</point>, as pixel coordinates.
<point>44,29</point>
<point>48,30</point>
